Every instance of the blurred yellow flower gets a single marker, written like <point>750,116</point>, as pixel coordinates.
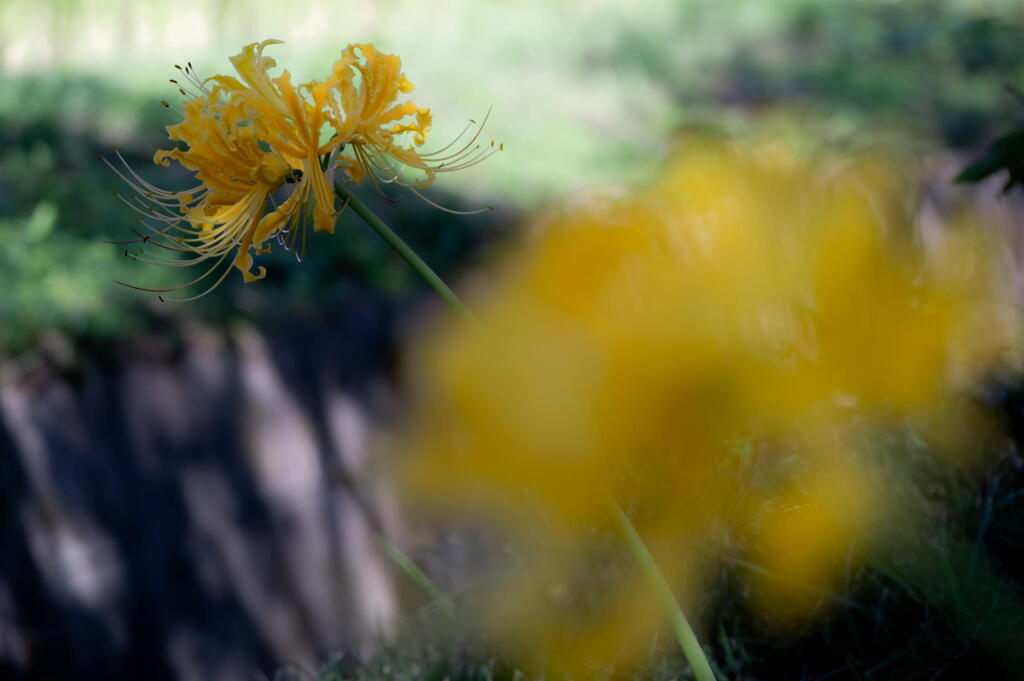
<point>246,137</point>
<point>714,355</point>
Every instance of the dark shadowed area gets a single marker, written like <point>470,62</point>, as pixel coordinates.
<point>200,507</point>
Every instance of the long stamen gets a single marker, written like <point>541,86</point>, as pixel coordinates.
<point>469,163</point>
<point>449,210</point>
<point>148,211</point>
<point>456,138</point>
<point>168,105</point>
<point>194,78</point>
<point>223,276</point>
<point>140,182</point>
<point>433,156</point>
<point>146,238</point>
<point>180,287</point>
<point>364,161</point>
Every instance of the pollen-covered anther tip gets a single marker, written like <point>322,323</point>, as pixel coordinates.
<point>178,66</point>
<point>165,103</point>
<point>501,147</point>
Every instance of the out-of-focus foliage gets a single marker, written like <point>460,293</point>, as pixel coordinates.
<point>593,105</point>
<point>55,206</point>
<point>1005,154</point>
<point>725,356</point>
<point>935,69</point>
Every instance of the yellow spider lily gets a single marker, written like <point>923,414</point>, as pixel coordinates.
<point>248,136</point>
<point>244,139</point>
<point>362,104</point>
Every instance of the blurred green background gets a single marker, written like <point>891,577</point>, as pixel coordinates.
<point>582,93</point>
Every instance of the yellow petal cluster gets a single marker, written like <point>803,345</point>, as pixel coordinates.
<point>248,136</point>
<point>718,356</point>
<point>363,108</point>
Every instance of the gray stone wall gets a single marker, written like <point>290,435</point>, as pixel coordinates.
<point>205,508</point>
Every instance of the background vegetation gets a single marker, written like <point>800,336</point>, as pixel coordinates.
<point>595,105</point>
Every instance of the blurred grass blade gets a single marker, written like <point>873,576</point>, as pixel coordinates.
<point>419,576</point>
<point>680,625</point>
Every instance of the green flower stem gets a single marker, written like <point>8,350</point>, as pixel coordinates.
<point>683,631</point>
<point>403,249</point>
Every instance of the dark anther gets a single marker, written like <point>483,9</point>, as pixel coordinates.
<point>294,176</point>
